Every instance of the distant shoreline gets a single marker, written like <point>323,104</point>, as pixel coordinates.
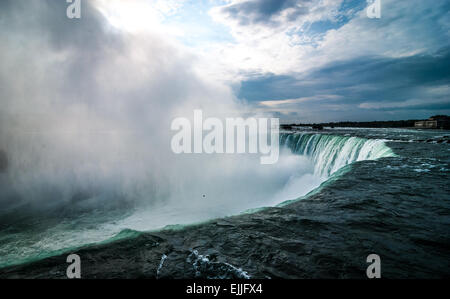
<point>400,124</point>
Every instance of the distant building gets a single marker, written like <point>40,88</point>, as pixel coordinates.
<point>435,122</point>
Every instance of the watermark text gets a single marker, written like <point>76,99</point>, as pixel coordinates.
<point>228,138</point>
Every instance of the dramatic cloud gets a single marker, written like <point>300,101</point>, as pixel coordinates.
<point>336,61</point>
<point>265,11</point>
<point>277,13</point>
<point>418,82</point>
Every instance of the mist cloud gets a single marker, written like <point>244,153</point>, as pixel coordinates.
<point>86,107</point>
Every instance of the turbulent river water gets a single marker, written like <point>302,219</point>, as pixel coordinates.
<point>334,197</point>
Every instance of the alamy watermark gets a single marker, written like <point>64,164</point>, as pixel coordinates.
<point>374,269</point>
<point>228,138</point>
<point>74,269</point>
<point>374,9</point>
<point>74,9</point>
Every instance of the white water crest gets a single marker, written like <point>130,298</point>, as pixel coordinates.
<point>330,153</point>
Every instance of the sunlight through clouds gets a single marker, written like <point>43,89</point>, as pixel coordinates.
<point>140,15</point>
<point>259,41</point>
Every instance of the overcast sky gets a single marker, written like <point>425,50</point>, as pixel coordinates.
<point>300,60</point>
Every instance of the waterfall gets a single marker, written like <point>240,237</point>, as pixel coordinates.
<point>330,153</point>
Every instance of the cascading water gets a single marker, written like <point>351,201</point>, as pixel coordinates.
<point>224,186</point>
<point>329,153</point>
